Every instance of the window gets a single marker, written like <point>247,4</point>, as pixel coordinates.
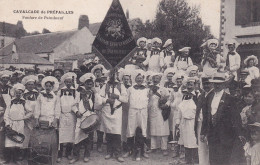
<point>247,12</point>
<point>255,11</point>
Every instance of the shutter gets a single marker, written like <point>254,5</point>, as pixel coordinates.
<point>242,15</point>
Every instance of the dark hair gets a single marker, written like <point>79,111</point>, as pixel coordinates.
<point>51,82</point>
<point>249,61</point>
<point>101,69</point>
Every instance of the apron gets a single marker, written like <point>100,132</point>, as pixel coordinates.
<point>111,123</point>
<point>16,112</point>
<point>188,110</point>
<point>79,134</point>
<point>158,126</point>
<point>208,70</point>
<point>67,120</point>
<point>154,63</point>
<point>28,123</point>
<point>125,108</point>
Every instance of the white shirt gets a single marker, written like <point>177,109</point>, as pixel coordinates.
<point>138,98</point>
<point>215,101</point>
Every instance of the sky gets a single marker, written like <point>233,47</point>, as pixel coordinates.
<point>96,11</point>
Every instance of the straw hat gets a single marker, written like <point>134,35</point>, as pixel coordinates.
<point>219,78</point>
<point>252,57</point>
<point>212,41</point>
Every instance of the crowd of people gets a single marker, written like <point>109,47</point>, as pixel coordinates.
<point>207,113</point>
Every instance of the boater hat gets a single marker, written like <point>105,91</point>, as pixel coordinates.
<point>218,78</point>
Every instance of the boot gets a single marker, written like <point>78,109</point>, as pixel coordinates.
<point>138,155</point>
<point>16,153</point>
<point>176,151</point>
<point>7,155</point>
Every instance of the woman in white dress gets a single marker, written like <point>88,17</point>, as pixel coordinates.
<point>251,62</point>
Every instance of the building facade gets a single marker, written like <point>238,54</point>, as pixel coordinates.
<point>240,20</point>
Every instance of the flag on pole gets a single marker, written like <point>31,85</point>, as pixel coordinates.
<point>114,40</point>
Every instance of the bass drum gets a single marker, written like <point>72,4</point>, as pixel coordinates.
<point>43,147</point>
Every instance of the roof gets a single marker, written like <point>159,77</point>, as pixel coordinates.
<point>7,50</point>
<point>78,57</point>
<point>25,58</point>
<point>42,43</point>
<point>94,28</point>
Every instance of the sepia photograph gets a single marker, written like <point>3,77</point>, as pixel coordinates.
<point>131,82</point>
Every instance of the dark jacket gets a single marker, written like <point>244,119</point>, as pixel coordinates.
<point>227,125</point>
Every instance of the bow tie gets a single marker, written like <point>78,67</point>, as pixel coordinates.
<point>127,86</point>
<point>17,101</point>
<point>231,53</point>
<point>168,53</point>
<point>154,88</point>
<point>67,91</point>
<point>169,84</point>
<point>48,95</point>
<point>139,87</point>
<point>187,97</point>
<point>5,89</point>
<point>31,95</point>
<point>183,58</point>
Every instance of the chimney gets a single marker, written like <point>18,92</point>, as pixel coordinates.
<point>20,32</point>
<point>83,21</point>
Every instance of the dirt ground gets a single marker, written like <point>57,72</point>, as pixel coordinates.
<point>97,158</point>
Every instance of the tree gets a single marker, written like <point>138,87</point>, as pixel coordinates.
<point>34,33</point>
<point>177,20</point>
<point>44,30</point>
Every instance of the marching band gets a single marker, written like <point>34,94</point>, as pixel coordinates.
<point>160,98</point>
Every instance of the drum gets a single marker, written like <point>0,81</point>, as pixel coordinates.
<point>90,123</point>
<point>43,146</point>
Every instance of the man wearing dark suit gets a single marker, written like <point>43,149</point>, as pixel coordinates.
<point>221,122</point>
<point>203,149</point>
